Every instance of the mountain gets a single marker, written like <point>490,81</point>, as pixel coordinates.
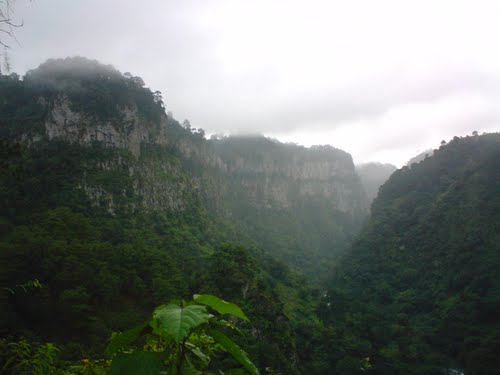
<point>302,204</point>
<point>113,207</point>
<point>421,280</point>
<point>110,207</point>
<point>418,158</point>
<point>305,203</point>
<point>373,175</point>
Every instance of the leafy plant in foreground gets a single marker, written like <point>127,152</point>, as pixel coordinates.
<point>181,338</point>
<point>22,357</point>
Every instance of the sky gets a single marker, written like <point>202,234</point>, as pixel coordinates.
<point>382,80</point>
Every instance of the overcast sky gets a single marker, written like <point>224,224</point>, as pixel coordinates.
<point>380,79</point>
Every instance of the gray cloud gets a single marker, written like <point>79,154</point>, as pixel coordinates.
<point>403,74</point>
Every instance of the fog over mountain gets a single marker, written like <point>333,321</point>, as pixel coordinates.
<point>373,175</point>
<point>382,80</point>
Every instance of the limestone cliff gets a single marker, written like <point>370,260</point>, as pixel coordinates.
<point>277,174</point>
<point>270,174</point>
<point>129,131</point>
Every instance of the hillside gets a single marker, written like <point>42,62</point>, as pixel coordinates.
<point>110,207</point>
<point>423,274</point>
<point>418,158</point>
<point>261,185</point>
<point>306,204</point>
<point>114,207</point>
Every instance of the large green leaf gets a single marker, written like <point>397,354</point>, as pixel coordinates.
<point>120,340</point>
<point>234,350</point>
<point>219,305</point>
<point>175,322</point>
<point>136,363</point>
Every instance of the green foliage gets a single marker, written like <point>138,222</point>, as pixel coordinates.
<point>121,340</point>
<point>420,282</point>
<point>23,358</point>
<point>228,345</point>
<point>307,232</point>
<point>98,90</point>
<point>98,237</point>
<point>219,305</point>
<point>175,322</point>
<point>138,362</point>
<point>182,339</point>
<point>110,235</point>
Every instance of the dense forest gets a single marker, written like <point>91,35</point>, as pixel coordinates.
<point>423,274</point>
<point>110,208</point>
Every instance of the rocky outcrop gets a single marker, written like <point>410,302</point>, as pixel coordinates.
<point>263,172</point>
<point>278,175</point>
<point>129,132</point>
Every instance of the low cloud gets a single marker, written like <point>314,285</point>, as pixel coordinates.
<point>379,79</point>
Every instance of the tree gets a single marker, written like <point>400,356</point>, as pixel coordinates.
<point>186,124</point>
<point>158,98</point>
<point>201,133</point>
<point>138,81</point>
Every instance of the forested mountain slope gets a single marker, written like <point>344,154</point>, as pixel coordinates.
<point>307,204</point>
<point>114,207</point>
<point>109,207</point>
<point>302,205</point>
<point>418,158</point>
<point>422,281</point>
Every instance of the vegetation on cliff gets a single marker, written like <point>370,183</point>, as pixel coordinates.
<point>96,231</point>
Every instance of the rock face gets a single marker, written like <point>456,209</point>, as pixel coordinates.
<point>63,123</point>
<point>278,175</point>
<point>274,175</point>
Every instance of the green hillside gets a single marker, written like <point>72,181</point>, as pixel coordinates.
<point>109,208</point>
<point>421,280</point>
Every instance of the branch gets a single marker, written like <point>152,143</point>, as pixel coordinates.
<point>8,21</point>
<point>7,24</point>
<point>8,32</point>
